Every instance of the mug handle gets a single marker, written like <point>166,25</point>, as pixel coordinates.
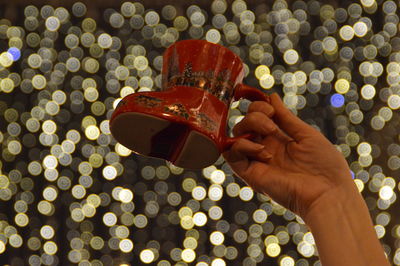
<point>249,93</point>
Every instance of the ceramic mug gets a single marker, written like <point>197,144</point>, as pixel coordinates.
<point>185,122</point>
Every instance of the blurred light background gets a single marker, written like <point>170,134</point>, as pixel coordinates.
<point>71,195</point>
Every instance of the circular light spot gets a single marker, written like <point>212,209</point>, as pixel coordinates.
<point>52,23</point>
<point>386,192</point>
<point>246,193</point>
<point>140,62</point>
<point>188,255</point>
<point>147,256</point>
<point>200,219</point>
<point>368,91</point>
<point>217,238</point>
<point>287,261</point>
<point>125,195</point>
<point>126,245</point>
<point>15,241</point>
<point>291,56</point>
<point>109,219</point>
<point>213,36</point>
<point>215,212</point>
<point>360,29</point>
<point>267,81</point>
<point>260,216</point>
<point>394,101</point>
<point>15,52</point>
<point>218,262</point>
<point>47,232</point>
<point>104,40</point>
<point>199,193</point>
<point>273,250</point>
<point>39,82</point>
<point>6,59</point>
<point>342,86</point>
<point>50,193</point>
<point>215,192</point>
<point>50,247</point>
<point>92,132</point>
<point>2,247</point>
<point>21,219</point>
<point>346,32</point>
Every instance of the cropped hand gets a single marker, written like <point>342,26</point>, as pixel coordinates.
<point>290,161</point>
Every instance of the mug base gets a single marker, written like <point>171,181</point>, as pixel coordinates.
<point>161,138</point>
<point>198,152</point>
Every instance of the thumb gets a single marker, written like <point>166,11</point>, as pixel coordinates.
<point>287,121</point>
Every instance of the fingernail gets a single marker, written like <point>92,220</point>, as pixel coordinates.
<point>259,146</point>
<point>264,155</point>
<point>271,113</point>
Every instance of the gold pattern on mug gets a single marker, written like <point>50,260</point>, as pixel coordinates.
<point>206,122</point>
<point>177,109</point>
<point>148,101</point>
<point>218,85</point>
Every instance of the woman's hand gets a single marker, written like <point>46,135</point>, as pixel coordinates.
<point>297,164</point>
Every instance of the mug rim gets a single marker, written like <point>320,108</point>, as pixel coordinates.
<point>205,41</point>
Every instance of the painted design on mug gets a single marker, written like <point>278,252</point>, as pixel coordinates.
<point>177,109</point>
<point>218,85</point>
<point>148,101</point>
<point>206,122</point>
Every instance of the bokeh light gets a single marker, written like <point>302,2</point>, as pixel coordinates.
<point>71,194</point>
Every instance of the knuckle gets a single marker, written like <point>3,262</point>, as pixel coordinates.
<point>254,107</point>
<point>254,122</point>
<point>254,117</point>
<point>263,107</point>
<point>260,119</point>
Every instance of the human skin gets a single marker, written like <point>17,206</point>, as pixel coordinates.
<point>298,167</point>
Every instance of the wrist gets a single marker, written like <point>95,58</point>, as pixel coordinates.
<point>340,220</point>
<point>336,201</point>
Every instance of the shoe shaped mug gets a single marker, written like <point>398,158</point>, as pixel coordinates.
<point>185,122</point>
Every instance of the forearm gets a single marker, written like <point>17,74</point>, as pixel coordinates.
<point>343,230</point>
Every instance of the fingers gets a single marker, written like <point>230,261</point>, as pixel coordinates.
<point>256,122</point>
<point>240,152</point>
<point>262,107</point>
<point>289,122</point>
<point>262,118</point>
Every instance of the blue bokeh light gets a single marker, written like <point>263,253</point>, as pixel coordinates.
<point>352,174</point>
<point>337,100</point>
<point>15,52</point>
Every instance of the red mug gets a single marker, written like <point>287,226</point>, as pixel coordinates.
<point>185,122</point>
